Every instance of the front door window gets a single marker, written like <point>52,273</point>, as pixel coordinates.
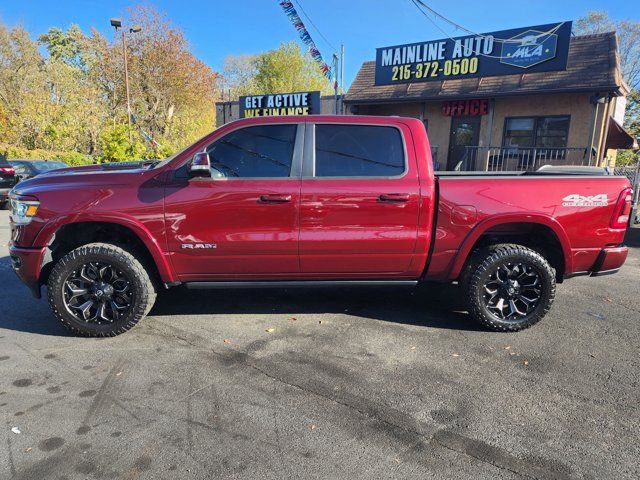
<point>264,151</point>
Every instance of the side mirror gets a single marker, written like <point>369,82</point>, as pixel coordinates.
<point>200,166</point>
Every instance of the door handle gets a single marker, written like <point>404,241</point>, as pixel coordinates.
<point>394,197</point>
<point>275,198</point>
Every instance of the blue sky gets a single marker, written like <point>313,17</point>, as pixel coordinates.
<point>218,28</point>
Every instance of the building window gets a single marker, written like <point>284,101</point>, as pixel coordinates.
<point>536,132</point>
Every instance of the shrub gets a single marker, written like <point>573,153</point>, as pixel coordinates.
<point>70,158</point>
<point>115,145</point>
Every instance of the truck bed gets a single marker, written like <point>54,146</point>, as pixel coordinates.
<point>577,209</point>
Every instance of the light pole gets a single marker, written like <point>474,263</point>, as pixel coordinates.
<point>117,23</point>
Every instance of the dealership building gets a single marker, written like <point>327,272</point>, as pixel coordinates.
<point>528,97</point>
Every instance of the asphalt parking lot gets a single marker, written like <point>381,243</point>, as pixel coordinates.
<point>336,383</point>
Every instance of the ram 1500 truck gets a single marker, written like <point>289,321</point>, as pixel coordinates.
<point>309,201</point>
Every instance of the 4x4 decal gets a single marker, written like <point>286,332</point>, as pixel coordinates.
<point>576,200</point>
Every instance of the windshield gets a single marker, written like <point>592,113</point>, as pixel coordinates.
<point>45,166</point>
<point>162,163</point>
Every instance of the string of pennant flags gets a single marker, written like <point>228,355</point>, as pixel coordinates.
<point>297,22</point>
<point>146,135</point>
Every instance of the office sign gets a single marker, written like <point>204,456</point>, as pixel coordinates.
<point>299,103</point>
<point>542,48</point>
<point>457,108</point>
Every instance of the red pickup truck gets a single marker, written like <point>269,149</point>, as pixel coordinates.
<point>309,201</point>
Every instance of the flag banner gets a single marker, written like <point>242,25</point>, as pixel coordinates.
<point>290,11</point>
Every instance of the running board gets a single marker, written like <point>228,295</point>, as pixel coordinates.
<point>302,284</point>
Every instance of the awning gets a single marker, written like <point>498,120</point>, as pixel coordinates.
<point>618,138</point>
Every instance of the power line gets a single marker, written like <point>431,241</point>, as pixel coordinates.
<point>314,25</point>
<point>419,4</point>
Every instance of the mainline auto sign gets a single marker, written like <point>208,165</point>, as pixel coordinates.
<point>541,48</point>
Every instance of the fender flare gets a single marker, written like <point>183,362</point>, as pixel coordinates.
<point>493,221</point>
<point>165,271</point>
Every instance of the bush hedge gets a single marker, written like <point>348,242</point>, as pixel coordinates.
<point>70,158</point>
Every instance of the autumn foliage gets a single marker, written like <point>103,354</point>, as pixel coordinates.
<point>70,95</point>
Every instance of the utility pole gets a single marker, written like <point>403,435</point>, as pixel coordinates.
<point>126,84</point>
<point>342,74</point>
<point>117,23</point>
<point>335,82</point>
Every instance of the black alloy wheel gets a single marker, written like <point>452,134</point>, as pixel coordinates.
<point>513,290</point>
<point>100,290</point>
<point>510,287</point>
<point>97,292</point>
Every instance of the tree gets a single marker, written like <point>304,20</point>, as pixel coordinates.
<point>173,93</point>
<point>78,106</point>
<point>23,88</point>
<point>68,46</point>
<point>70,95</point>
<point>238,76</point>
<point>284,69</point>
<point>628,34</point>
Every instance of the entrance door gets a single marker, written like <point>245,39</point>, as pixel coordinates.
<point>465,132</point>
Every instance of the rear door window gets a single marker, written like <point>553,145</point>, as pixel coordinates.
<point>358,151</point>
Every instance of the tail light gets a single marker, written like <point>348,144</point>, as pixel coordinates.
<point>622,211</point>
<point>7,170</point>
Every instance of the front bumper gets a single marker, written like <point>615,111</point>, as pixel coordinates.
<point>609,261</point>
<point>27,263</point>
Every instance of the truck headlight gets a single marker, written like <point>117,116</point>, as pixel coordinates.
<point>22,210</point>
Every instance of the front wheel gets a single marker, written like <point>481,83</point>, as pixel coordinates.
<point>510,287</point>
<point>100,290</point>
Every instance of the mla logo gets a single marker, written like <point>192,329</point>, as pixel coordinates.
<point>529,48</point>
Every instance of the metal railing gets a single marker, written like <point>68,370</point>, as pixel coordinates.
<point>434,156</point>
<point>506,159</point>
<point>632,172</point>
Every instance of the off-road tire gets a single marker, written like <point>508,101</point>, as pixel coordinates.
<point>484,262</point>
<point>143,298</point>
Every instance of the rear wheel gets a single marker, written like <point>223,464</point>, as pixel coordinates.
<point>100,290</point>
<point>510,287</point>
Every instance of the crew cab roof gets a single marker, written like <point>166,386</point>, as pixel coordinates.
<point>357,119</point>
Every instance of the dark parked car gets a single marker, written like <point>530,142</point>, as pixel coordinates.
<point>30,168</point>
<point>7,180</point>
